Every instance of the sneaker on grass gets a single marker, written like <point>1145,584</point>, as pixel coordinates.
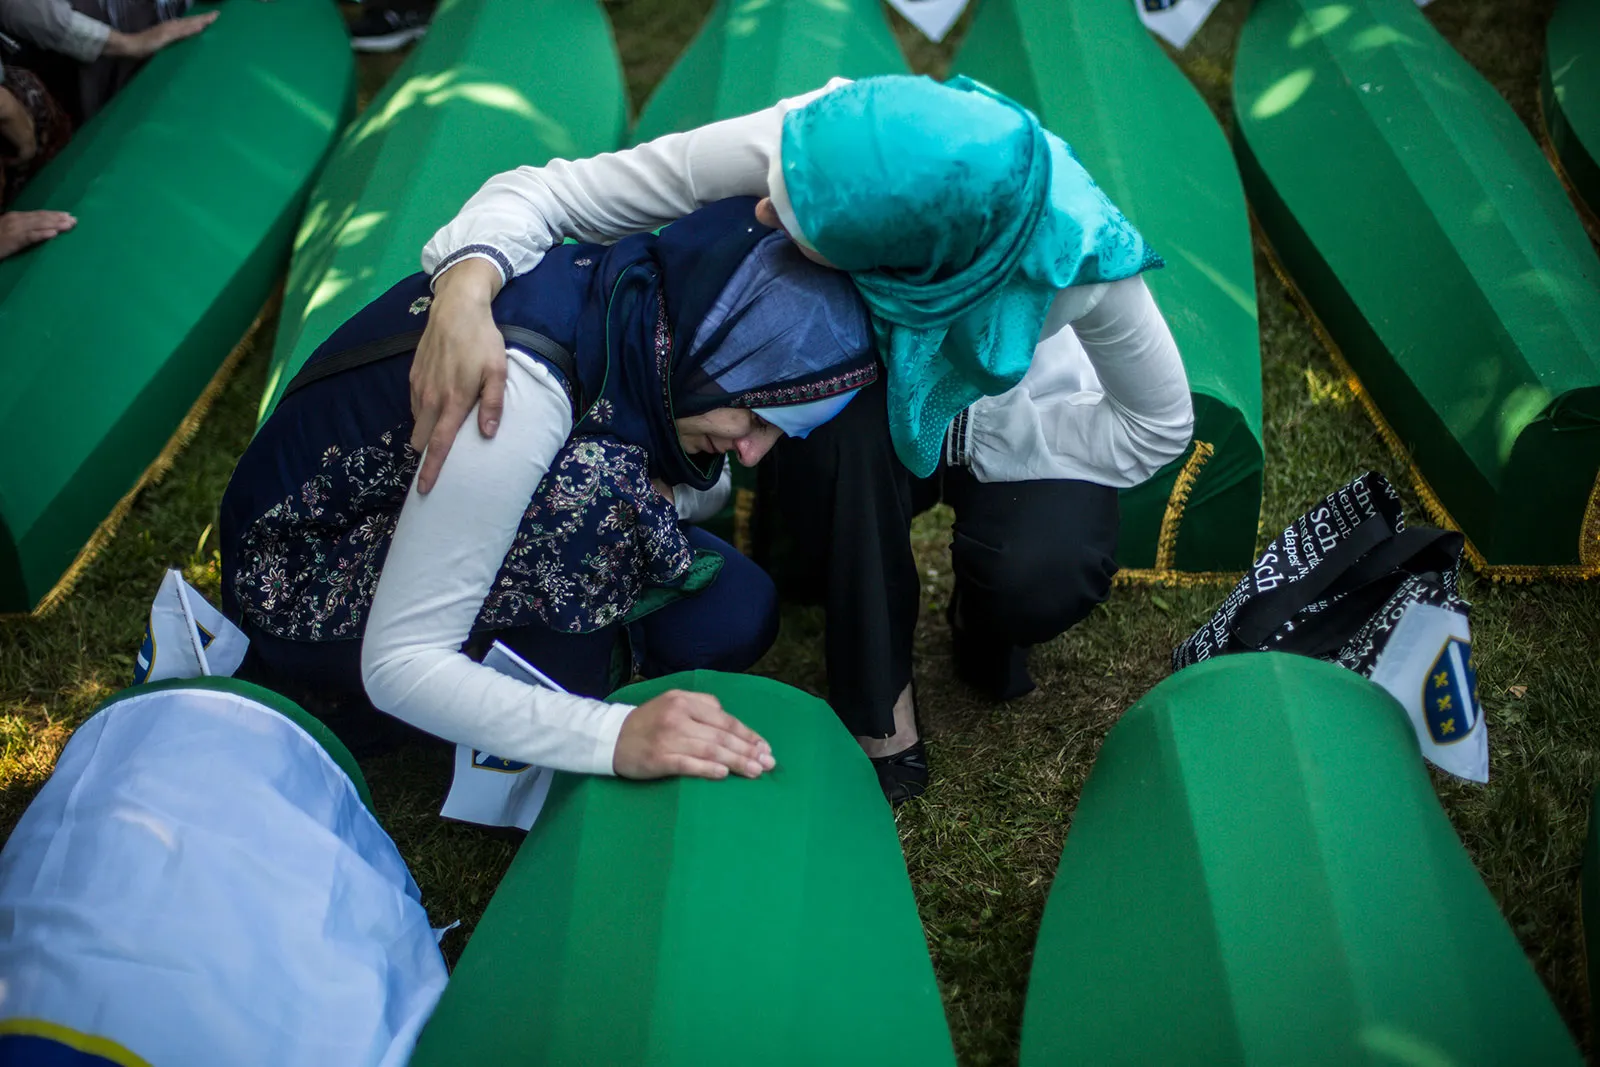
<point>385,27</point>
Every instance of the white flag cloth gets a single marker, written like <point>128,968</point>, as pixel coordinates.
<point>1174,21</point>
<point>199,882</point>
<point>1427,666</point>
<point>491,791</point>
<point>186,637</point>
<point>933,17</point>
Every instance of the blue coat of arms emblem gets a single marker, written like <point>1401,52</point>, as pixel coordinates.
<point>1450,694</point>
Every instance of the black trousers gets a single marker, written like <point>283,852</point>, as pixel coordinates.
<point>1030,558</point>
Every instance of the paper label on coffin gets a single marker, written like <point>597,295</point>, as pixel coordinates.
<point>933,17</point>
<point>491,791</point>
<point>1427,666</point>
<point>185,637</point>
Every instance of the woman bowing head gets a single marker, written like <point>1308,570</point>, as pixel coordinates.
<point>633,371</point>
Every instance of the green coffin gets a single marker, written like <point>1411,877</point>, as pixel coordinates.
<point>495,84</point>
<point>1421,223</point>
<point>751,55</point>
<point>186,189</point>
<point>1258,872</point>
<point>748,56</point>
<point>704,923</point>
<point>1570,94</point>
<point>1096,78</point>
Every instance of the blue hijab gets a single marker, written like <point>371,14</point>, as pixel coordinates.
<point>959,218</point>
<point>720,312</point>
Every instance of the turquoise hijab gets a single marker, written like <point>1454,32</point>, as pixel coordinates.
<point>959,218</point>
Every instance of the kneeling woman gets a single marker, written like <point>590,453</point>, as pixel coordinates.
<point>634,369</point>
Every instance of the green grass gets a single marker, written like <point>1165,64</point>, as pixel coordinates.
<point>982,845</point>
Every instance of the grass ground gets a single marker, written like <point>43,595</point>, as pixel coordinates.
<point>983,844</point>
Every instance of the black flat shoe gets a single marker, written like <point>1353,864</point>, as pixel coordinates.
<point>994,668</point>
<point>903,775</point>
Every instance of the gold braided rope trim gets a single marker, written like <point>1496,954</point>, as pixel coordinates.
<point>1548,145</point>
<point>1177,500</point>
<point>1178,579</point>
<point>1589,560</point>
<point>744,506</point>
<point>157,469</point>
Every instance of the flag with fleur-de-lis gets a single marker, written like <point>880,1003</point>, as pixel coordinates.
<point>1427,666</point>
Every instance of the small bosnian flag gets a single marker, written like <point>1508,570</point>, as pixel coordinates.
<point>1427,667</point>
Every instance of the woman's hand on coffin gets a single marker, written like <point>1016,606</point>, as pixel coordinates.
<point>679,733</point>
<point>147,43</point>
<point>23,229</point>
<point>460,362</point>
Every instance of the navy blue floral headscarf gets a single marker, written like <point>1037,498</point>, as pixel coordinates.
<point>725,316</point>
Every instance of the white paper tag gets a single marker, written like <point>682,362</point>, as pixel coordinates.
<point>491,791</point>
<point>933,17</point>
<point>1174,21</point>
<point>1427,666</point>
<point>185,637</point>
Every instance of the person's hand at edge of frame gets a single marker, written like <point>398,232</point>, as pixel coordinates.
<point>20,230</point>
<point>147,43</point>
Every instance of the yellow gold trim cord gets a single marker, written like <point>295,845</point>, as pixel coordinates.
<point>1437,512</point>
<point>1177,500</point>
<point>87,1044</point>
<point>1589,533</point>
<point>1180,579</point>
<point>159,466</point>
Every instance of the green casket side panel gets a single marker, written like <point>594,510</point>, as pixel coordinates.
<point>1590,916</point>
<point>748,56</point>
<point>698,923</point>
<point>471,101</point>
<point>1570,94</point>
<point>1094,76</point>
<point>752,53</point>
<point>186,189</point>
<point>1423,224</point>
<point>1258,872</point>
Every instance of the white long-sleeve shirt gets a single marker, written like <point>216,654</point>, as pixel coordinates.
<point>1105,401</point>
<point>55,26</point>
<point>447,548</point>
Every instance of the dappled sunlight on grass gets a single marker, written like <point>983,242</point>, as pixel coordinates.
<point>1325,388</point>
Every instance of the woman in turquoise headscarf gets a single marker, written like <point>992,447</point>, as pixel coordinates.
<point>1030,375</point>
